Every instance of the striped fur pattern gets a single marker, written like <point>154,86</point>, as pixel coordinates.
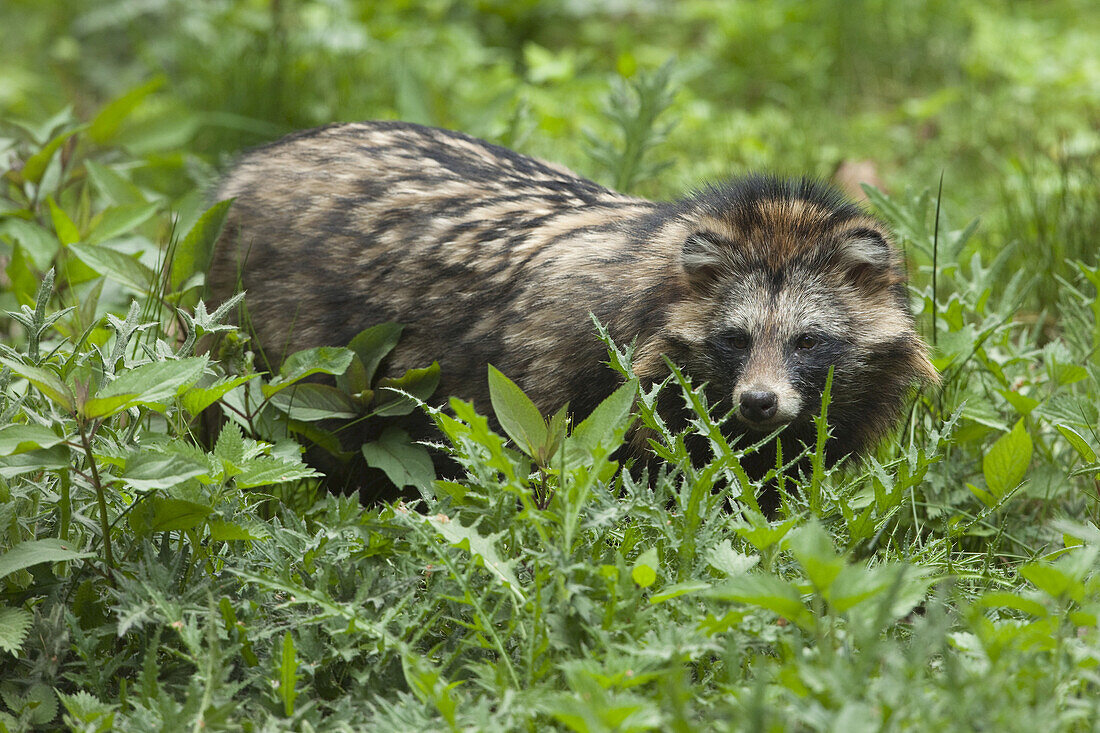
<point>755,286</point>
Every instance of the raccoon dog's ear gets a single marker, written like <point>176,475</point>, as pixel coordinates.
<point>865,253</point>
<point>703,254</point>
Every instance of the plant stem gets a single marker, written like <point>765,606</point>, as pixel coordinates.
<point>104,525</point>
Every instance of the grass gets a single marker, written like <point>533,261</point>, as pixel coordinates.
<point>153,579</point>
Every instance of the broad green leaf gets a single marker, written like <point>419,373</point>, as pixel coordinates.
<point>1022,403</point>
<point>372,344</point>
<point>22,438</point>
<point>67,232</point>
<point>1004,599</point>
<point>114,185</point>
<point>310,402</point>
<point>32,552</point>
<point>601,425</point>
<point>119,220</point>
<point>197,399</point>
<point>644,572</point>
<point>38,244</point>
<point>230,445</point>
<point>768,592</point>
<point>106,124</point>
<point>46,381</point>
<point>149,384</point>
<point>516,413</point>
<point>481,547</point>
<point>36,164</point>
<point>32,461</point>
<point>680,589</point>
<point>1078,442</point>
<point>115,265</point>
<point>229,531</point>
<point>164,514</point>
<point>404,462</point>
<point>147,470</point>
<point>420,383</point>
<point>761,534</point>
<point>299,365</point>
<point>1052,581</point>
<point>14,624</point>
<point>811,546</point>
<point>1005,463</point>
<point>194,251</point>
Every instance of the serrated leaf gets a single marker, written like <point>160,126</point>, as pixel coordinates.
<point>147,470</point>
<point>267,470</point>
<point>811,546</point>
<point>1078,442</point>
<point>1005,463</point>
<point>14,624</point>
<point>33,552</point>
<point>164,514</point>
<point>404,462</point>
<point>149,385</point>
<point>22,438</point>
<point>601,425</point>
<point>766,591</point>
<point>729,561</point>
<point>41,703</point>
<point>230,444</point>
<point>481,547</point>
<point>194,251</point>
<point>516,413</point>
<point>197,399</point>
<point>86,712</point>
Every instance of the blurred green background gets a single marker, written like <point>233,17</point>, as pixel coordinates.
<point>1002,98</point>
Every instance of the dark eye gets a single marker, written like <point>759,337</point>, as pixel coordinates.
<point>738,340</point>
<point>806,341</point>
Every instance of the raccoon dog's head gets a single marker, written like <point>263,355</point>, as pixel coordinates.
<point>787,279</point>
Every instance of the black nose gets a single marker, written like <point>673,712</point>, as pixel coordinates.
<point>759,406</point>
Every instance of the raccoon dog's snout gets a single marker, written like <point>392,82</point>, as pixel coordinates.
<point>758,405</point>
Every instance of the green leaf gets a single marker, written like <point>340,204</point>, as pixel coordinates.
<point>769,592</point>
<point>22,438</point>
<point>732,563</point>
<point>372,344</point>
<point>1006,461</point>
<point>644,572</point>
<point>310,402</point>
<point>67,232</point>
<point>197,399</point>
<point>147,470</point>
<point>119,220</point>
<point>114,185</point>
<point>420,383</point>
<point>267,470</point>
<point>194,251</point>
<point>1078,442</point>
<point>39,245</point>
<point>301,364</point>
<point>1004,599</point>
<point>811,546</point>
<point>288,674</point>
<point>115,265</point>
<point>516,413</point>
<point>602,424</point>
<point>165,514</point>
<point>36,460</point>
<point>46,381</point>
<point>36,164</point>
<point>404,462</point>
<point>14,624</point>
<point>481,547</point>
<point>32,552</point>
<point>149,385</point>
<point>87,713</point>
<point>106,124</point>
<point>229,531</point>
<point>675,591</point>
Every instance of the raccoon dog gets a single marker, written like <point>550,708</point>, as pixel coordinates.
<point>756,286</point>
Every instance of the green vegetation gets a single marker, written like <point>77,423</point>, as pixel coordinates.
<point>153,580</point>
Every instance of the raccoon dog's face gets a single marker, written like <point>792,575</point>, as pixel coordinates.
<point>789,282</point>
